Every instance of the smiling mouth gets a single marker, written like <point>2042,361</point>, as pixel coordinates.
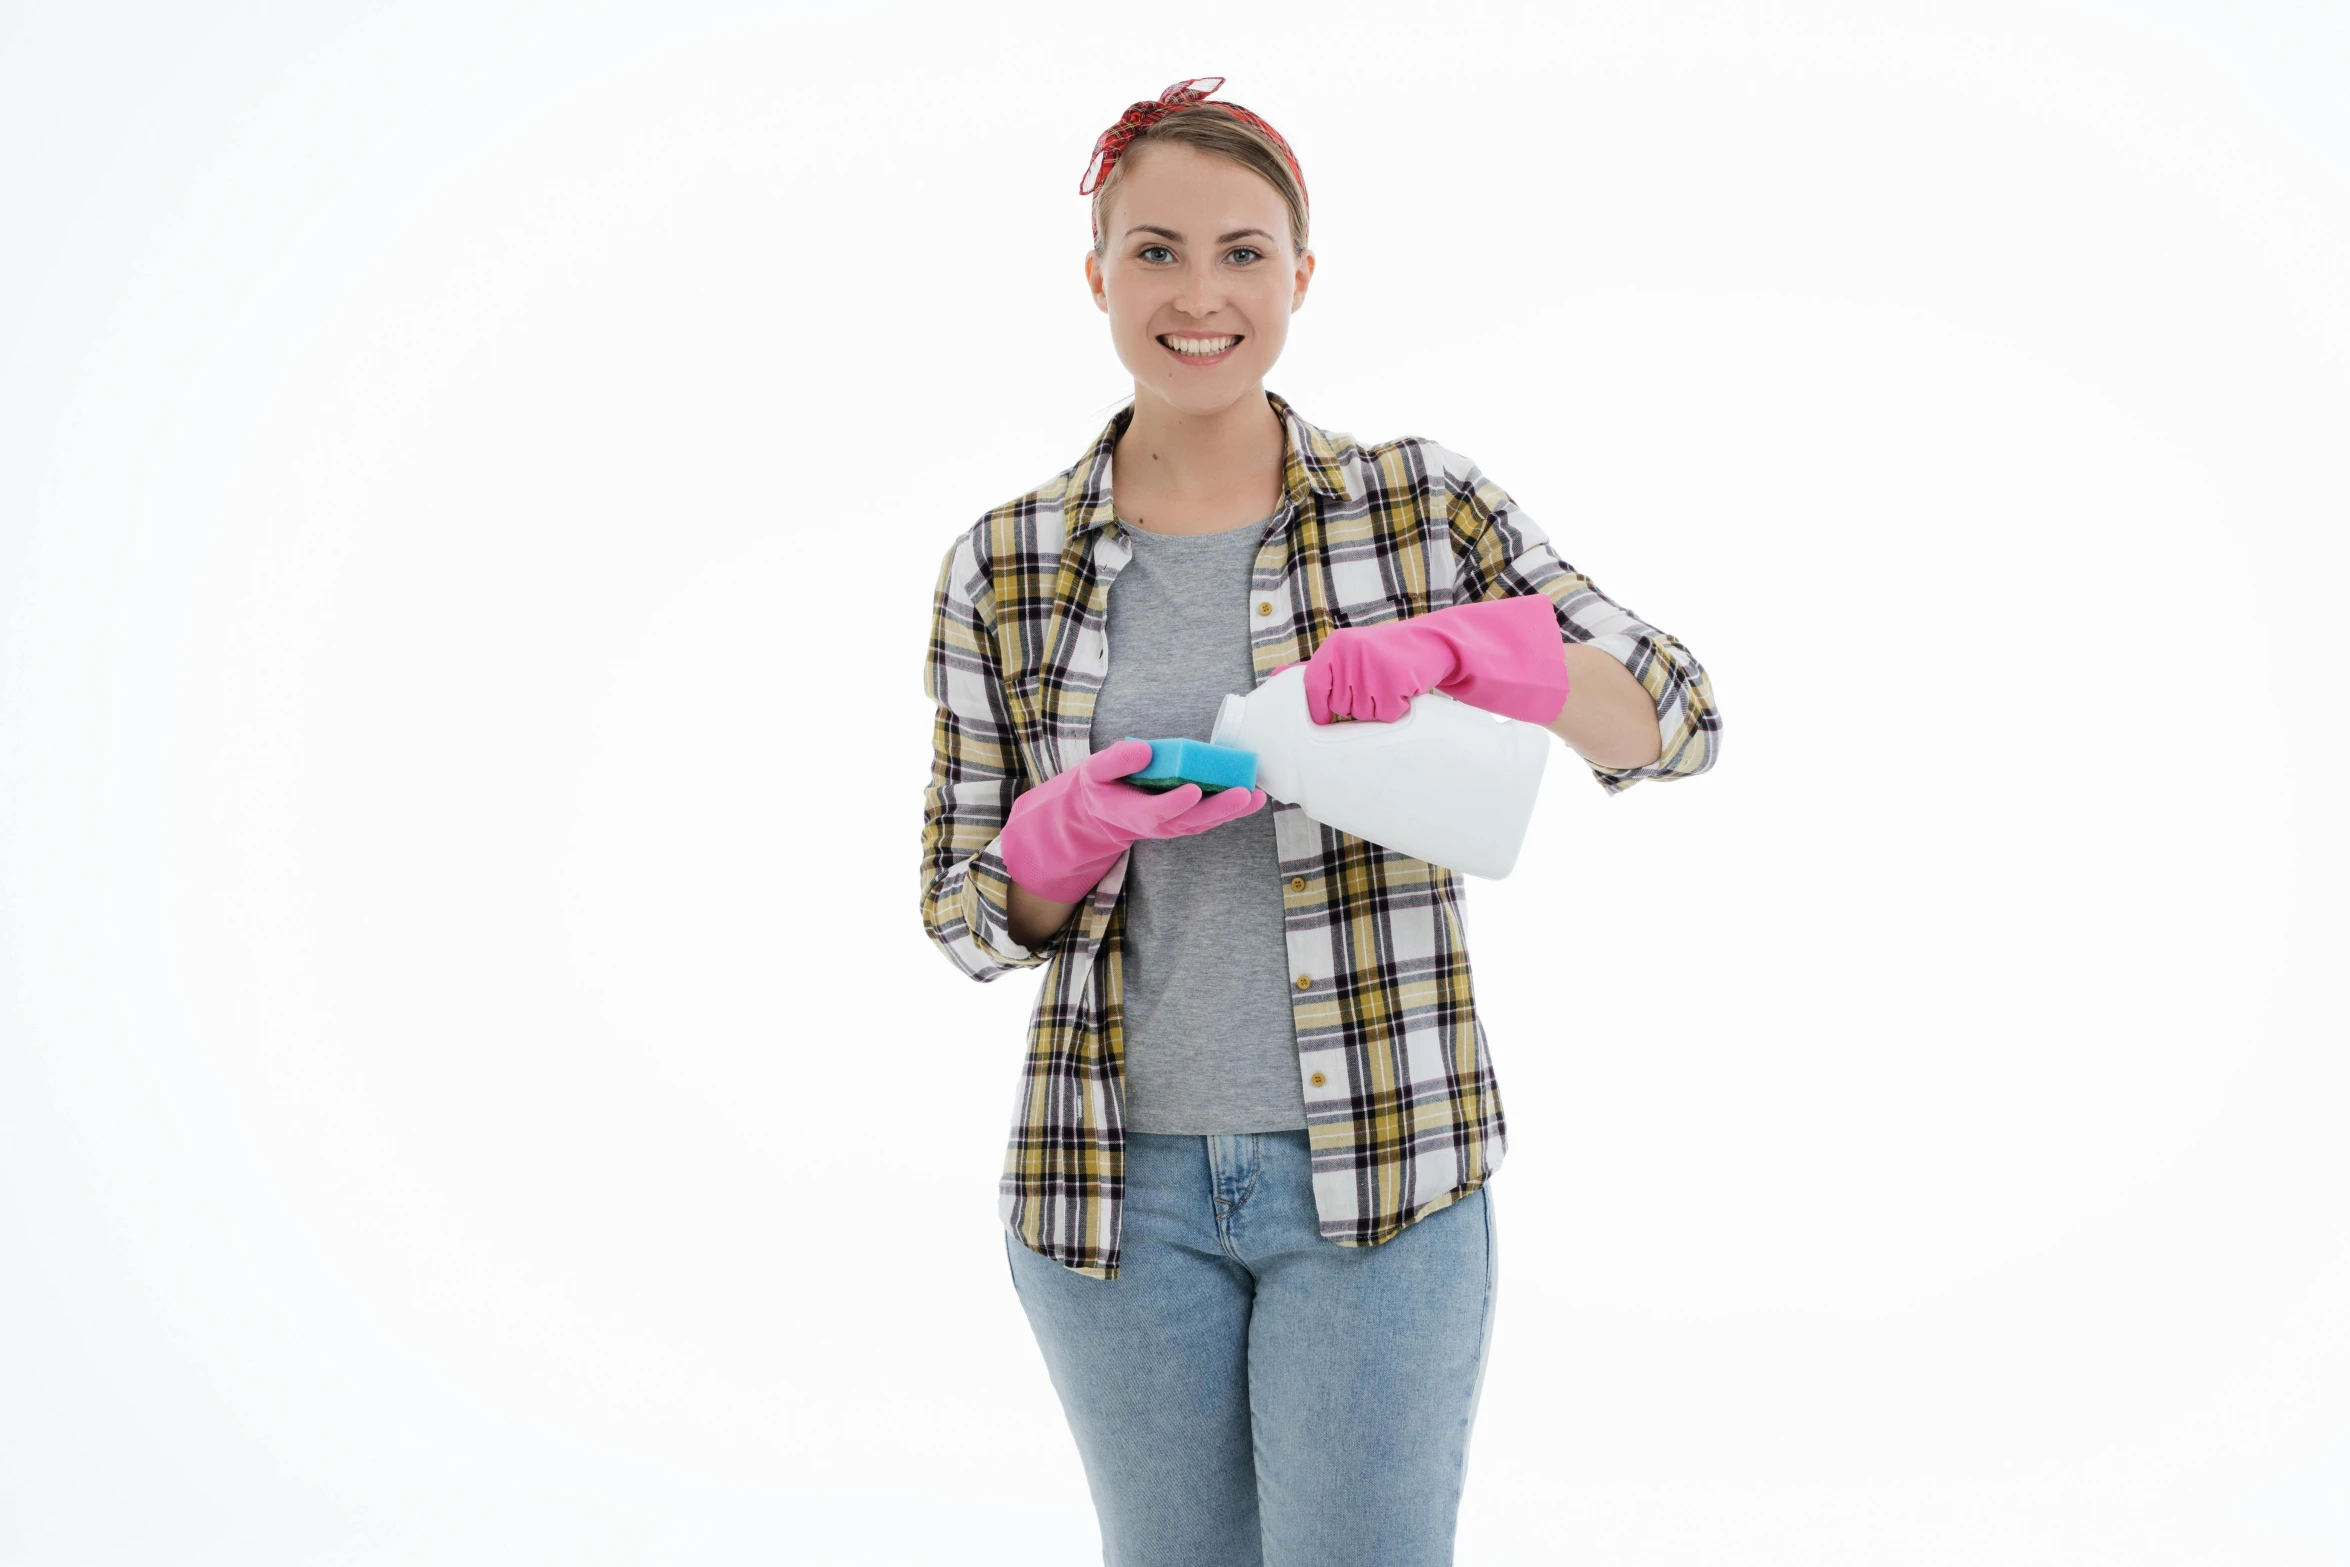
<point>1230,340</point>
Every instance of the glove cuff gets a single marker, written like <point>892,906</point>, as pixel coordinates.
<point>1512,657</point>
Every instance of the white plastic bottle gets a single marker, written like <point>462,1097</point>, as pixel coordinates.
<point>1447,783</point>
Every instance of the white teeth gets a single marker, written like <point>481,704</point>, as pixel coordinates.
<point>1199,345</point>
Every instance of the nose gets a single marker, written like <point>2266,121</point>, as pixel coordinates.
<point>1202,293</point>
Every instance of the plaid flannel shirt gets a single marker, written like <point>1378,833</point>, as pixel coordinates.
<point>1404,1114</point>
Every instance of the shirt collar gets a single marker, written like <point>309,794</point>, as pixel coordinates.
<point>1311,465</point>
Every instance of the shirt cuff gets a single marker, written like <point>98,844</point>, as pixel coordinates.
<point>990,881</point>
<point>1624,650</point>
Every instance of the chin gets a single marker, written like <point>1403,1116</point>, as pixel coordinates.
<point>1205,389</point>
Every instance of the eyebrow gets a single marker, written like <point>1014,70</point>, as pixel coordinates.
<point>1221,239</point>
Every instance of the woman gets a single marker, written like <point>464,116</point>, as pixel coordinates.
<point>1245,1196</point>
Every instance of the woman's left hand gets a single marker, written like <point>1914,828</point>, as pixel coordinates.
<point>1506,656</point>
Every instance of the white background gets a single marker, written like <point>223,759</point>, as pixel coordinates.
<point>473,1083</point>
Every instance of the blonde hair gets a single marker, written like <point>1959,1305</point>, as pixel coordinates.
<point>1212,131</point>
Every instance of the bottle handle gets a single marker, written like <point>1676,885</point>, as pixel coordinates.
<point>1334,732</point>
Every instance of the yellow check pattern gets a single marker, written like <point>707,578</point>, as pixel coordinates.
<point>1404,1115</point>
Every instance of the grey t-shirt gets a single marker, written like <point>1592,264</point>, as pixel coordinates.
<point>1210,1045</point>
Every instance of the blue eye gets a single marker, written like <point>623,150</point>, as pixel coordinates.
<point>1237,250</point>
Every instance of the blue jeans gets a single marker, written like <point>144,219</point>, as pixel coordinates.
<point>1248,1394</point>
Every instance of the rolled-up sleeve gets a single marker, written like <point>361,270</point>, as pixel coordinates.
<point>1500,552</point>
<point>974,778</point>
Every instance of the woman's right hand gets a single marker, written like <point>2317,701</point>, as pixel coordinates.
<point>1065,833</point>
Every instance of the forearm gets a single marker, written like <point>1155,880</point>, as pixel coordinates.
<point>1034,917</point>
<point>1609,717</point>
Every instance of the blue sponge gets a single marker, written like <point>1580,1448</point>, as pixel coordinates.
<point>1175,763</point>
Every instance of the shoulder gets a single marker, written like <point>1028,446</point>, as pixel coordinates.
<point>1418,475</point>
<point>1458,490</point>
<point>1022,534</point>
<point>1400,471</point>
<point>1442,468</point>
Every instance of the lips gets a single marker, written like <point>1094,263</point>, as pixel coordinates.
<point>1205,359</point>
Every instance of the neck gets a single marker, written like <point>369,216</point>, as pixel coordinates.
<point>1182,454</point>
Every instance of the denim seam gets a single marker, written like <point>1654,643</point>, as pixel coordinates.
<point>1484,1346</point>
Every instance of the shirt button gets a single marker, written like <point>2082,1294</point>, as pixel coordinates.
<point>1317,1079</point>
<point>1303,982</point>
<point>1264,606</point>
<point>1297,884</point>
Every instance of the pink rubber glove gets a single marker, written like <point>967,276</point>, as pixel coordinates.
<point>1066,832</point>
<point>1506,656</point>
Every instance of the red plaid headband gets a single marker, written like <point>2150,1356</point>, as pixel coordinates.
<point>1183,95</point>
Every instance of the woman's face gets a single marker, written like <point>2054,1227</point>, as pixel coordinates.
<point>1199,248</point>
